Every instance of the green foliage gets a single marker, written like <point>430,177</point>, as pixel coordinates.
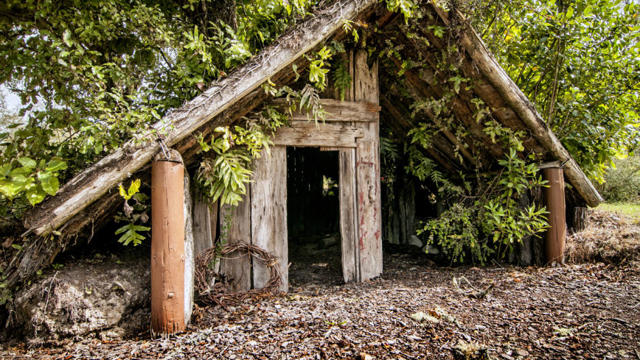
<point>131,234</point>
<point>486,215</point>
<point>224,175</point>
<point>30,179</point>
<point>93,74</point>
<point>133,189</point>
<point>318,68</point>
<point>405,7</point>
<point>578,62</point>
<point>132,231</point>
<point>622,181</point>
<point>342,78</point>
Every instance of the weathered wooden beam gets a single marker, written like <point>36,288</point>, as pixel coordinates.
<point>338,111</point>
<point>95,181</point>
<point>366,88</point>
<point>510,92</point>
<point>306,134</point>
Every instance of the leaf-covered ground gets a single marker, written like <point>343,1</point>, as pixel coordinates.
<point>415,311</point>
<point>577,311</point>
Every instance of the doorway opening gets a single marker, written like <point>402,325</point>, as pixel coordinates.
<point>313,220</point>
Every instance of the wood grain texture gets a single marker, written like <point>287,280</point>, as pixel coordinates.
<point>269,214</point>
<point>368,196</point>
<point>167,247</point>
<point>340,111</point>
<point>205,218</point>
<point>349,216</point>
<point>189,254</point>
<point>309,134</point>
<point>236,228</point>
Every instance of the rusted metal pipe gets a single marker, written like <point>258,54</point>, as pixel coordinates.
<point>554,199</point>
<point>167,245</point>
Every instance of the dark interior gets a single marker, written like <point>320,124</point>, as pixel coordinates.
<point>313,216</point>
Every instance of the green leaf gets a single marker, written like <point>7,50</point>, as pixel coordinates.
<point>49,182</point>
<point>27,162</point>
<point>133,188</point>
<point>56,165</point>
<point>10,189</point>
<point>66,37</point>
<point>35,195</point>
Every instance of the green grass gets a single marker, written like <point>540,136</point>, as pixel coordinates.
<point>629,209</point>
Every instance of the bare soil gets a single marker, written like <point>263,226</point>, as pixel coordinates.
<point>414,311</point>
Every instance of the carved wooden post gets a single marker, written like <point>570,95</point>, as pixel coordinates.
<point>167,245</point>
<point>555,202</point>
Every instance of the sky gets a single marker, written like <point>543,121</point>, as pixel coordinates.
<point>12,101</point>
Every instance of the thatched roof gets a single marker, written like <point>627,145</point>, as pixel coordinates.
<point>90,197</point>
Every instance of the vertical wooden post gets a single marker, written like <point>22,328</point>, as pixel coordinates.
<point>349,216</point>
<point>365,83</point>
<point>189,254</point>
<point>167,245</point>
<point>555,202</point>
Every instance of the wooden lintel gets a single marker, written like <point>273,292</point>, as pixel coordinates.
<point>339,111</point>
<point>308,134</point>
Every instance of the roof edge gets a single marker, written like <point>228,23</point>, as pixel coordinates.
<point>519,102</point>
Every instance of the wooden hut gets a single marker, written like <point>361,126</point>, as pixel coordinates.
<point>351,128</point>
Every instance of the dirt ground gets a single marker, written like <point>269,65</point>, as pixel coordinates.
<point>414,311</point>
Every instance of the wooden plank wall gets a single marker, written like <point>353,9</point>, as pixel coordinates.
<point>236,227</point>
<point>269,213</point>
<point>205,221</point>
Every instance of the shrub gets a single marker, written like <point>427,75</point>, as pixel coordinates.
<point>622,181</point>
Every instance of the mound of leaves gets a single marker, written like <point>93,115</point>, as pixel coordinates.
<point>608,237</point>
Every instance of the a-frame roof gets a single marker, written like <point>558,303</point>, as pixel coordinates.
<point>241,90</point>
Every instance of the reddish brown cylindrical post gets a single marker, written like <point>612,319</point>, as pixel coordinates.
<point>554,199</point>
<point>167,246</point>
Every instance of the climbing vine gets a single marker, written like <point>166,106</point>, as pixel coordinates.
<point>485,195</point>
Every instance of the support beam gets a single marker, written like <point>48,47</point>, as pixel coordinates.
<point>167,246</point>
<point>308,134</point>
<point>366,88</point>
<point>338,111</point>
<point>554,199</point>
